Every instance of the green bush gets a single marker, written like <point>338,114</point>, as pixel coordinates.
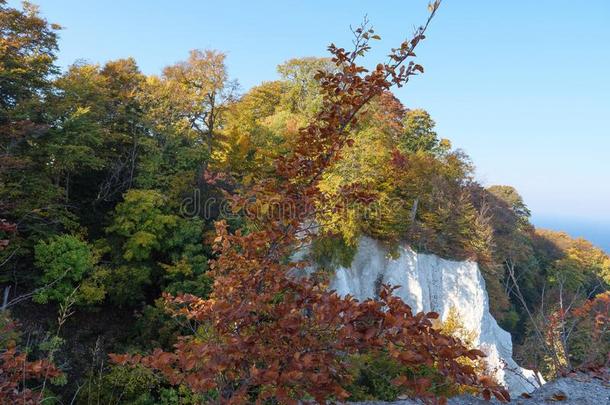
<point>373,374</point>
<point>137,385</point>
<point>67,263</point>
<point>330,252</point>
<point>126,284</point>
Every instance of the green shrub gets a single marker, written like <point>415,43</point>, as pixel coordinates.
<point>126,284</point>
<point>373,374</point>
<point>330,252</point>
<point>66,262</point>
<point>125,385</point>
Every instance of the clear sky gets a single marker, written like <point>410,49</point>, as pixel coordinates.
<point>522,85</point>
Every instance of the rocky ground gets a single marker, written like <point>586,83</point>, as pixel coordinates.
<point>577,390</point>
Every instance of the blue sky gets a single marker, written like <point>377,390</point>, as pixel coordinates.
<point>522,86</point>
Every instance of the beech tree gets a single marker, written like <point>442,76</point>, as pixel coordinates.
<point>194,95</point>
<point>419,134</point>
<point>267,334</point>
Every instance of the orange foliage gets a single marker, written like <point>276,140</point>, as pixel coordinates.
<point>593,315</point>
<point>16,370</point>
<point>271,335</point>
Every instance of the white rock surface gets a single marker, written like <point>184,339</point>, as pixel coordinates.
<point>429,283</point>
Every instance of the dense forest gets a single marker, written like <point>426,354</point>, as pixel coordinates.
<point>147,225</point>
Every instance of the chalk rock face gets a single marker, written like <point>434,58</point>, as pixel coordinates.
<point>429,283</point>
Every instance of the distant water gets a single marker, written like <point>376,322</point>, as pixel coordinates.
<point>597,233</point>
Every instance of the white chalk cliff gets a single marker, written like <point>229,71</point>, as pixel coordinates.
<point>429,283</point>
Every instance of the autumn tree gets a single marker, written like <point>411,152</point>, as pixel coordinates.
<point>268,335</point>
<point>419,134</point>
<point>263,123</point>
<point>194,95</point>
<point>28,44</point>
<point>98,137</point>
